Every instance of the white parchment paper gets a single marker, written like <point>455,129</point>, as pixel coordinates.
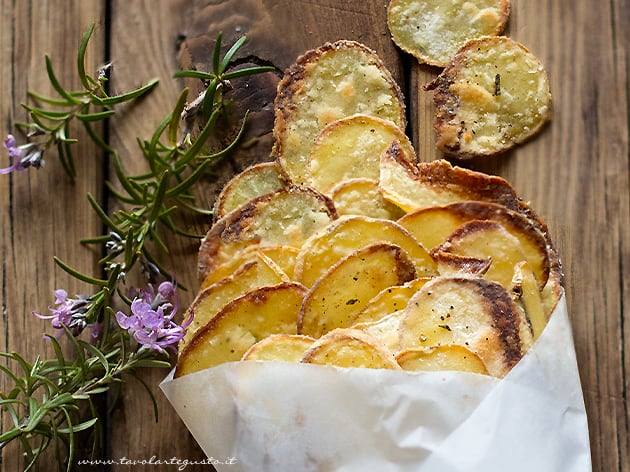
<point>293,417</point>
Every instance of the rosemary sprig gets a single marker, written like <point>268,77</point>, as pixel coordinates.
<point>49,398</point>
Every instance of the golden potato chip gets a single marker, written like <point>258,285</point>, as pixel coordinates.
<point>485,239</point>
<point>349,233</point>
<point>431,226</point>
<point>351,148</point>
<point>210,300</point>
<point>350,348</point>
<point>331,82</point>
<point>389,300</point>
<point>526,286</point>
<point>341,293</point>
<point>240,324</point>
<point>440,358</point>
<point>438,183</point>
<point>279,347</point>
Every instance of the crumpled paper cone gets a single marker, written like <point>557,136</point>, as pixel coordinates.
<point>295,417</point>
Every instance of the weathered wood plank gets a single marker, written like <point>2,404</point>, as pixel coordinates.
<point>42,213</point>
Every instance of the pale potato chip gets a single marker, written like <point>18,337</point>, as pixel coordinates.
<point>433,30</point>
<point>476,313</point>
<point>286,217</point>
<point>493,95</point>
<point>253,182</point>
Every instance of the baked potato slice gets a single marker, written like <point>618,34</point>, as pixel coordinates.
<point>279,347</point>
<point>325,84</point>
<point>488,240</point>
<point>433,30</point>
<point>432,226</point>
<point>441,358</point>
<point>285,217</point>
<point>362,197</point>
<point>240,324</point>
<point>349,233</point>
<point>438,183</point>
<point>210,300</point>
<point>350,348</point>
<point>493,95</point>
<point>341,293</point>
<point>475,313</point>
<point>351,148</point>
<point>253,182</point>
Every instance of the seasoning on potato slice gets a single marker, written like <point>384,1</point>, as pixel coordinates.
<point>349,233</point>
<point>351,148</point>
<point>350,348</point>
<point>240,324</point>
<point>253,182</point>
<point>279,347</point>
<point>325,84</point>
<point>442,358</point>
<point>362,197</point>
<point>433,30</point>
<point>341,293</point>
<point>284,217</point>
<point>476,313</point>
<point>493,95</point>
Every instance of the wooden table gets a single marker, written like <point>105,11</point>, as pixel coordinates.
<point>575,173</point>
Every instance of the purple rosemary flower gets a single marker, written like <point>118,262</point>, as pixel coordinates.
<point>69,312</point>
<point>15,153</point>
<point>151,322</point>
<point>22,157</point>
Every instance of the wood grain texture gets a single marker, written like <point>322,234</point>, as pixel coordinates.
<point>42,213</point>
<point>575,172</point>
